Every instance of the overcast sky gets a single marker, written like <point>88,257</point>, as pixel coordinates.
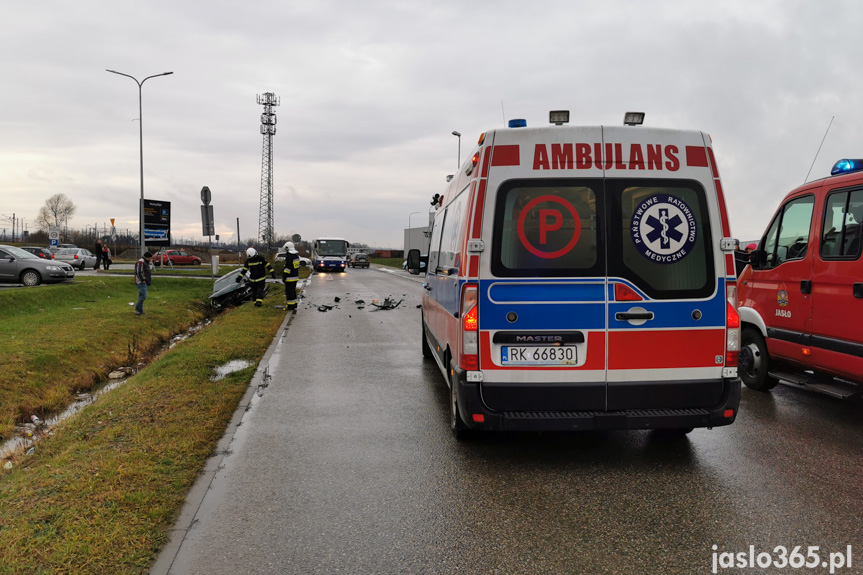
<point>371,91</point>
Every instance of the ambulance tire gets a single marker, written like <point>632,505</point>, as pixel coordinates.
<point>427,351</point>
<point>754,371</point>
<point>459,430</point>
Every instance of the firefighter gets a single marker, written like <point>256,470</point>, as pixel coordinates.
<point>291,275</point>
<point>256,268</point>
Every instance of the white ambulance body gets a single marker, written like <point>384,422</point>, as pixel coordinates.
<point>583,278</point>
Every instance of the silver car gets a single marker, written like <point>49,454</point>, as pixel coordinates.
<point>76,257</point>
<point>20,266</point>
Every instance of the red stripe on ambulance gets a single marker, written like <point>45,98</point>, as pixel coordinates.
<point>696,157</point>
<point>726,227</point>
<point>646,349</point>
<point>506,156</point>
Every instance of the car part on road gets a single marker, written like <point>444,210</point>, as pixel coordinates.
<point>387,304</point>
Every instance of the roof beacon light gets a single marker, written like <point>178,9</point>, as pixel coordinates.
<point>558,117</point>
<point>846,167</point>
<point>519,123</point>
<point>633,118</point>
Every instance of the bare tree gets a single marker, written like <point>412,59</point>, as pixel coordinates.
<point>57,209</point>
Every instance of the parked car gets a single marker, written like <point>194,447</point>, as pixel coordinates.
<point>176,257</point>
<point>359,260</point>
<point>76,257</point>
<point>20,266</point>
<point>43,253</point>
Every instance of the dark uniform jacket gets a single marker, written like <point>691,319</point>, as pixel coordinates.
<point>257,267</point>
<point>292,267</point>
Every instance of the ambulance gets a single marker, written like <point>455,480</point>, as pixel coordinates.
<point>583,278</point>
<point>801,297</point>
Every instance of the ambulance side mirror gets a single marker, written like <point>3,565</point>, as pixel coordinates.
<point>413,264</point>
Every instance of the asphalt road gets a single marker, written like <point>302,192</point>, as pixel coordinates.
<point>345,464</point>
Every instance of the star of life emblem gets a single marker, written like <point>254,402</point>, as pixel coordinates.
<point>663,228</point>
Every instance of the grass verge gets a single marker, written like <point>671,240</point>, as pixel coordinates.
<point>101,494</point>
<point>56,340</point>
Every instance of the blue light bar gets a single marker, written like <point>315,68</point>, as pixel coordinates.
<point>846,167</point>
<point>520,123</point>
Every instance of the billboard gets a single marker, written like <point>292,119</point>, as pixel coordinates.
<point>157,222</point>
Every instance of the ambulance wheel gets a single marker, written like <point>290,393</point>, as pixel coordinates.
<point>754,362</point>
<point>427,351</point>
<point>459,430</point>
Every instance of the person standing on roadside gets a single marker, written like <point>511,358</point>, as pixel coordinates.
<point>97,251</point>
<point>256,268</point>
<point>106,256</point>
<point>143,279</point>
<point>291,275</point>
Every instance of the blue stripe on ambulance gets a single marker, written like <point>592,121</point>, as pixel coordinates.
<point>570,305</point>
<point>674,313</point>
<point>543,304</point>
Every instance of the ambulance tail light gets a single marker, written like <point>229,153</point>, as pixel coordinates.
<point>732,323</point>
<point>469,315</point>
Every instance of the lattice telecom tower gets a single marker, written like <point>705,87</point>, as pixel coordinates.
<point>268,129</point>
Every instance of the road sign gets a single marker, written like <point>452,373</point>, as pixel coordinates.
<point>112,222</point>
<point>207,220</point>
<point>295,238</point>
<point>206,196</point>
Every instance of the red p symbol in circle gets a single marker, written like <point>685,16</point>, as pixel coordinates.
<point>546,226</point>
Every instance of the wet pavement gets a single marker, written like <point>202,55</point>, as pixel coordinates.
<point>344,463</point>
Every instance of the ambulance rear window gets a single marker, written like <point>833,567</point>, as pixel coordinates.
<point>547,228</point>
<point>655,233</point>
<point>659,237</point>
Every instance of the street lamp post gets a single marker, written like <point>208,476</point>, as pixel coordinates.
<point>141,148</point>
<point>409,230</point>
<point>458,135</point>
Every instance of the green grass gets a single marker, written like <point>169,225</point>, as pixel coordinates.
<point>101,494</point>
<point>56,340</point>
<point>390,262</point>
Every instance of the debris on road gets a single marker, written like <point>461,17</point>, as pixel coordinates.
<point>387,304</point>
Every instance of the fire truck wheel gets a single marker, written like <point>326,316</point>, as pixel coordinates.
<point>754,362</point>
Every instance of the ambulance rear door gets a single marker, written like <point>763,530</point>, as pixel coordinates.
<point>667,275</point>
<point>542,281</point>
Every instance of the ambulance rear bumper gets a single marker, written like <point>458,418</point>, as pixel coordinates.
<point>724,412</point>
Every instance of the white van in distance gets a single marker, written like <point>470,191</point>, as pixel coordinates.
<point>583,278</point>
